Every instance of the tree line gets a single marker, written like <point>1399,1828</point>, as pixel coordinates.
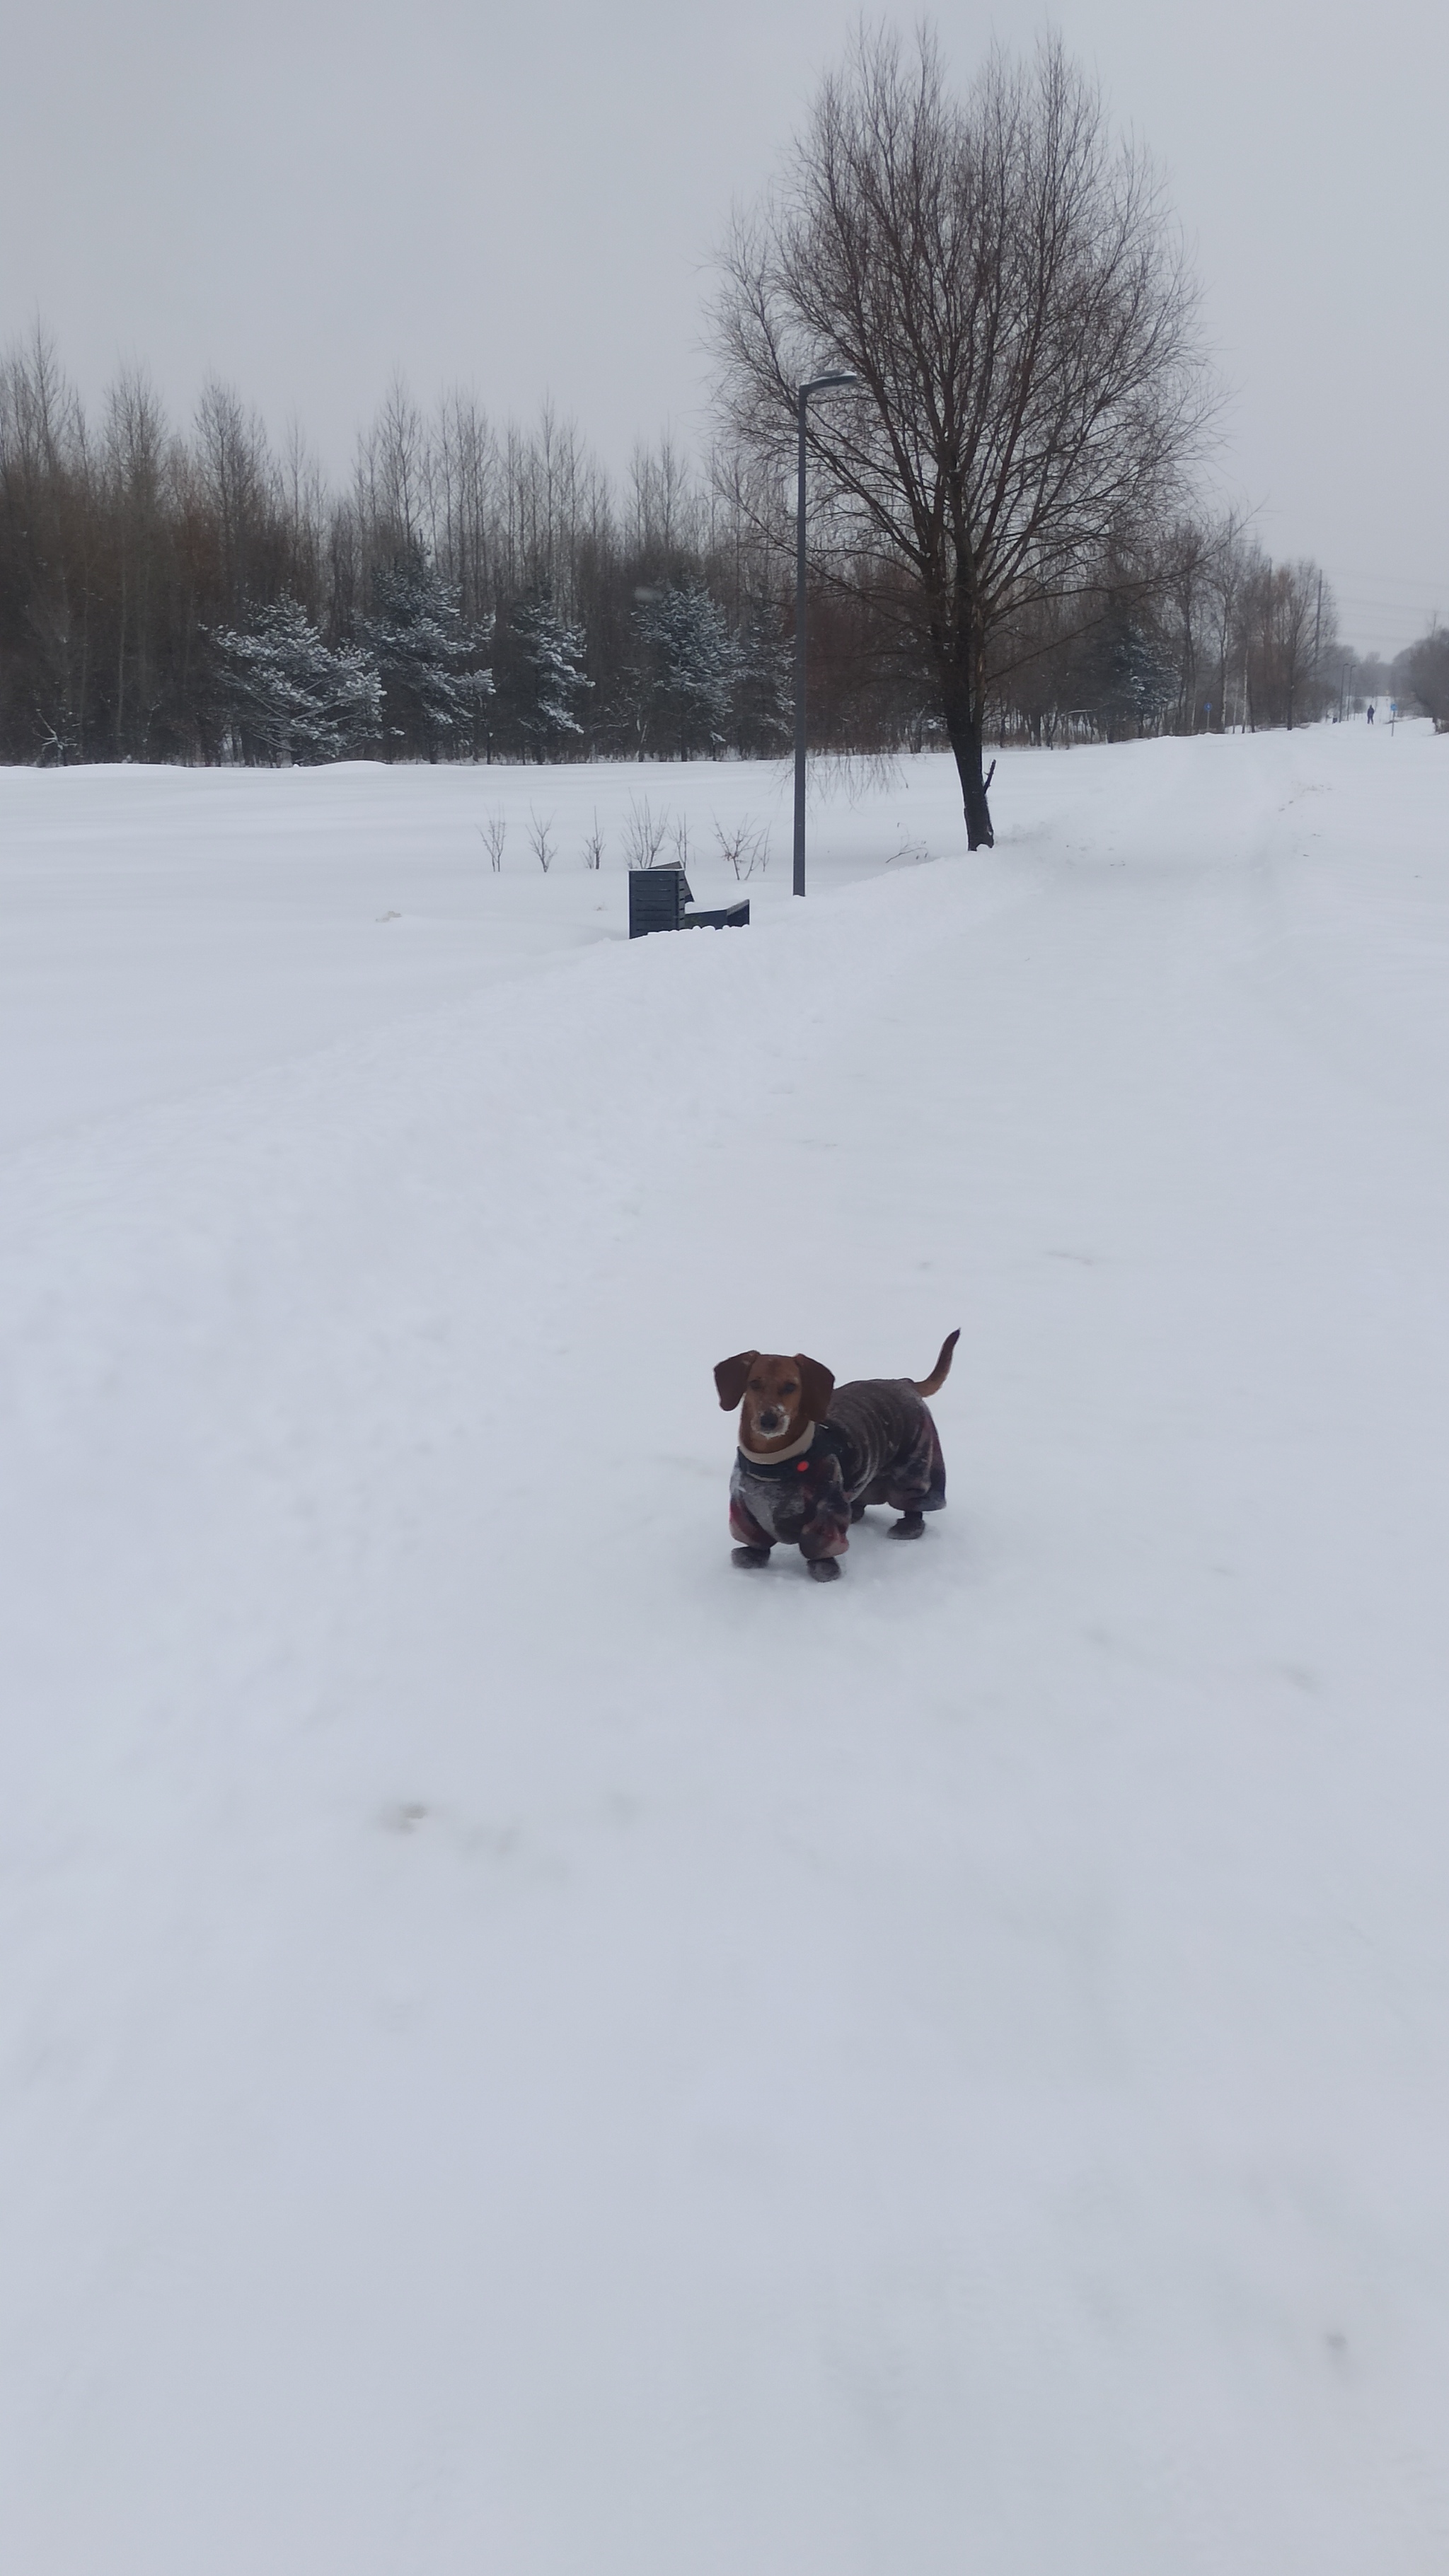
<point>1004,537</point>
<point>200,595</point>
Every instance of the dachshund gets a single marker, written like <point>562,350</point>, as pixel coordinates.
<point>812,1454</point>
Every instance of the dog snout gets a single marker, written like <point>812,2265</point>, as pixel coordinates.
<point>770,1418</point>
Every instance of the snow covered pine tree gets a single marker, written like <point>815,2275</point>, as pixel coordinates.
<point>284,697</point>
<point>427,660</point>
<point>1141,681</point>
<point>546,682</point>
<point>689,669</point>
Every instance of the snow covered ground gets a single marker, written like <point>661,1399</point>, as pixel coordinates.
<point>524,2049</point>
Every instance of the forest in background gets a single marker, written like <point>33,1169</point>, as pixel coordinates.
<point>199,595</point>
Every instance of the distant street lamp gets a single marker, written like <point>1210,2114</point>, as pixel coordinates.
<point>817,385</point>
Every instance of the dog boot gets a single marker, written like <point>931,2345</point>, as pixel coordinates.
<point>912,1525</point>
<point>749,1556</point>
<point>825,1569</point>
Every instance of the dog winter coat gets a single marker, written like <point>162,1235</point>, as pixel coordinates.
<point>877,1444</point>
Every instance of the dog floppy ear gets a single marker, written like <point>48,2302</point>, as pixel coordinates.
<point>817,1386</point>
<point>730,1377</point>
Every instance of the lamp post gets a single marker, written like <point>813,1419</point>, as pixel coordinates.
<point>817,385</point>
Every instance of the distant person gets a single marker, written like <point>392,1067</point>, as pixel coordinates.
<point>1370,711</point>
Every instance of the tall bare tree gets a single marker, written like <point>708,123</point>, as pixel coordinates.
<point>135,464</point>
<point>1003,278</point>
<point>1291,652</point>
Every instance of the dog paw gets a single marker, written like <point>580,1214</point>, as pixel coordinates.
<point>825,1569</point>
<point>913,1526</point>
<point>749,1556</point>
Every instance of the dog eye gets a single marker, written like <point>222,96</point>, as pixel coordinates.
<point>789,1387</point>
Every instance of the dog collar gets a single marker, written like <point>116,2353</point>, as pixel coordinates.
<point>780,1457</point>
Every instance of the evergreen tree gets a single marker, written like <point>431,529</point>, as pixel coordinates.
<point>546,682</point>
<point>284,697</point>
<point>432,688</point>
<point>765,685</point>
<point>1135,680</point>
<point>689,668</point>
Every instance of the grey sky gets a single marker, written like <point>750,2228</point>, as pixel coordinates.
<point>304,196</point>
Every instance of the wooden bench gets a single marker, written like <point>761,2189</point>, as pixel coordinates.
<point>657,900</point>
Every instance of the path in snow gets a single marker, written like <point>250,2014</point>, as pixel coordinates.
<point>524,2048</point>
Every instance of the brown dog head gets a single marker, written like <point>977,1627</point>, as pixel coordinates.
<point>776,1396</point>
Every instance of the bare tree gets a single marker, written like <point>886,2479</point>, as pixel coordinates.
<point>1424,669</point>
<point>45,544</point>
<point>390,471</point>
<point>234,474</point>
<point>135,465</point>
<point>1228,576</point>
<point>1003,279</point>
<point>1291,653</point>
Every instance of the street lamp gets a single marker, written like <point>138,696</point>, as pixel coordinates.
<point>817,385</point>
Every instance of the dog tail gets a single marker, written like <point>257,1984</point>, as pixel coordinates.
<point>942,1369</point>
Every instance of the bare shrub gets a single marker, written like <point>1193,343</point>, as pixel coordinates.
<point>644,833</point>
<point>544,850</point>
<point>744,847</point>
<point>594,844</point>
<point>493,834</point>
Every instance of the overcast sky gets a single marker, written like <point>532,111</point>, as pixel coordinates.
<point>302,196</point>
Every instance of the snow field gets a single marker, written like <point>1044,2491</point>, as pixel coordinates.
<point>524,2047</point>
<point>163,927</point>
